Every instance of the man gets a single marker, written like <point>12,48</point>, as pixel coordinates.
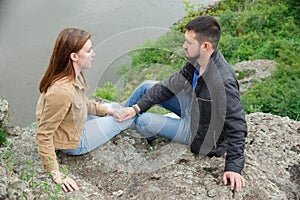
<point>205,96</point>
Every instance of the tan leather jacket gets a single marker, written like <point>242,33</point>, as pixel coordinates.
<point>61,113</point>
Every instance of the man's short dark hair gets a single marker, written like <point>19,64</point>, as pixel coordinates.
<point>206,28</point>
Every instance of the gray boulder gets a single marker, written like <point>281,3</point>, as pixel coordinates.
<point>127,167</point>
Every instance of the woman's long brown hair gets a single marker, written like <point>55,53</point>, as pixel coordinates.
<point>60,66</point>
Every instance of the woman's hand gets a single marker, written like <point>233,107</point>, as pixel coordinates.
<point>117,113</point>
<point>123,114</point>
<point>68,184</point>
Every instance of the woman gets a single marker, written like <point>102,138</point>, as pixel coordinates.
<point>63,107</point>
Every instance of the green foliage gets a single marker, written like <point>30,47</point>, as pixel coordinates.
<point>108,92</point>
<point>133,78</point>
<point>27,173</point>
<point>192,11</point>
<point>251,29</point>
<point>4,125</point>
<point>280,93</point>
<point>294,10</point>
<point>155,60</point>
<point>3,135</point>
<point>163,51</point>
<point>256,30</point>
<point>243,74</point>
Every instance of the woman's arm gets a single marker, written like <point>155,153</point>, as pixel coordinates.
<point>57,104</point>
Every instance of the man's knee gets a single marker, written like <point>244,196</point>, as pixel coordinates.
<point>143,120</point>
<point>147,84</point>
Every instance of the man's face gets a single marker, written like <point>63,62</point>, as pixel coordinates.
<point>191,46</point>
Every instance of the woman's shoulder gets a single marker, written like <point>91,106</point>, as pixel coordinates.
<point>63,83</point>
<point>63,88</point>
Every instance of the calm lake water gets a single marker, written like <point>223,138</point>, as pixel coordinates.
<point>28,30</point>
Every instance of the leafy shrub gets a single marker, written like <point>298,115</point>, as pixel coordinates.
<point>154,60</point>
<point>260,29</point>
<point>256,30</point>
<point>278,94</point>
<point>108,92</point>
<point>3,135</point>
<point>163,51</point>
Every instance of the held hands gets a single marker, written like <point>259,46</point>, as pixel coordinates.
<point>123,114</point>
<point>236,180</point>
<point>68,184</point>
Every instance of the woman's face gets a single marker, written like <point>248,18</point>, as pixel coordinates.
<point>86,55</point>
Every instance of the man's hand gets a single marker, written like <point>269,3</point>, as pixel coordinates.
<point>68,184</point>
<point>236,180</point>
<point>123,114</point>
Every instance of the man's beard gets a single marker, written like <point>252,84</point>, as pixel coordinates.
<point>193,60</point>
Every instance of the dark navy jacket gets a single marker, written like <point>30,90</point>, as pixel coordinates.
<point>218,122</point>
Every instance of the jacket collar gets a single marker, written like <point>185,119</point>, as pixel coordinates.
<point>213,58</point>
<point>80,82</point>
<point>211,66</point>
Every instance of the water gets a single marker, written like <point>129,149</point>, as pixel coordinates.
<point>28,30</point>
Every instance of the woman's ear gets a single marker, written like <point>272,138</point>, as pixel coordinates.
<point>74,57</point>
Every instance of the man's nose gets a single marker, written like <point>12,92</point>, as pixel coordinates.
<point>184,45</point>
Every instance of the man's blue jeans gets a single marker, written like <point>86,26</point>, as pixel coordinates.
<point>150,124</point>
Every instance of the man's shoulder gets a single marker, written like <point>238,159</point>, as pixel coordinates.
<point>188,66</point>
<point>224,67</point>
<point>187,70</point>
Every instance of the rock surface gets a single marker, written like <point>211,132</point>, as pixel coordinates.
<point>4,112</point>
<point>253,70</point>
<point>127,167</point>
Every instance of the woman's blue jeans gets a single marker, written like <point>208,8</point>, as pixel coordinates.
<point>97,131</point>
<point>150,124</point>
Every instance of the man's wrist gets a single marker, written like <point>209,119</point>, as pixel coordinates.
<point>136,109</point>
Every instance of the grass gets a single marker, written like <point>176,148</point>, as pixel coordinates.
<point>250,30</point>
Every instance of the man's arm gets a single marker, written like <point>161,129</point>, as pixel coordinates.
<point>158,93</point>
<point>236,130</point>
<point>155,95</point>
<point>165,89</point>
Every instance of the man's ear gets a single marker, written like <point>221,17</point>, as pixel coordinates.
<point>74,57</point>
<point>207,46</point>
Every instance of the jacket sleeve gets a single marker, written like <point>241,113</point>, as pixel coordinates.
<point>57,104</point>
<point>235,127</point>
<point>162,91</point>
<point>96,108</point>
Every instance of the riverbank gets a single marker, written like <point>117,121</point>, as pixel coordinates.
<point>127,167</point>
<point>25,50</point>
